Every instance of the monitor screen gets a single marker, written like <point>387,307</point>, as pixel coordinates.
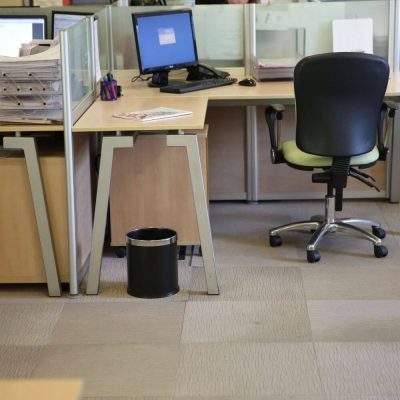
<point>65,19</point>
<point>164,41</point>
<point>18,29</point>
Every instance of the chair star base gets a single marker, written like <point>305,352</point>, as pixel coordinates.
<point>328,224</point>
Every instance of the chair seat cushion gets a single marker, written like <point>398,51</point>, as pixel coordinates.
<point>294,155</point>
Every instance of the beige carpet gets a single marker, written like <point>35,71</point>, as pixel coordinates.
<point>281,329</point>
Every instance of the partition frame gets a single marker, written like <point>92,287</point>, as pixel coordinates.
<point>71,115</point>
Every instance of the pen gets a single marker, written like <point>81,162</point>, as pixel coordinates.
<point>106,91</point>
<point>112,87</point>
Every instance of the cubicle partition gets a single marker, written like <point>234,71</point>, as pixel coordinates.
<point>219,29</point>
<point>56,220</point>
<point>225,32</point>
<point>314,21</point>
<point>78,55</point>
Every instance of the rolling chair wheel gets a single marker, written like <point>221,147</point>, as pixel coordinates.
<point>378,232</point>
<point>120,252</point>
<point>313,256</point>
<point>380,251</point>
<point>275,241</point>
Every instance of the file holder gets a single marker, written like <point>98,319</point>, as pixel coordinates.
<point>31,88</point>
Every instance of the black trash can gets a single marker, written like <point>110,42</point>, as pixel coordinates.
<point>152,262</point>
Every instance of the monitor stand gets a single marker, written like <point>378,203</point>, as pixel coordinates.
<point>159,79</point>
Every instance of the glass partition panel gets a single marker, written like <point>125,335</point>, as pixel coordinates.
<point>219,31</point>
<point>220,34</point>
<point>123,36</point>
<point>102,33</point>
<point>80,61</point>
<point>302,29</point>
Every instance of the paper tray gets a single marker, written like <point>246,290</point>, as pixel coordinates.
<point>267,74</point>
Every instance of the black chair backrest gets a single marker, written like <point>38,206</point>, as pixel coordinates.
<point>338,102</point>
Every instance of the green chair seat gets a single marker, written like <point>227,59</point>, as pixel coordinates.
<point>294,155</point>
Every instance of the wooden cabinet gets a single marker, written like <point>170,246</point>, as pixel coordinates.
<point>20,251</point>
<point>151,186</point>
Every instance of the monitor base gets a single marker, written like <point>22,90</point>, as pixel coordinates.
<point>159,79</point>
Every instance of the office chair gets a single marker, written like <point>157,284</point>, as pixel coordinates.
<point>339,111</point>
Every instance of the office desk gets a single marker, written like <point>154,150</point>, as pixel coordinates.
<point>99,118</point>
<point>262,94</point>
<point>138,95</point>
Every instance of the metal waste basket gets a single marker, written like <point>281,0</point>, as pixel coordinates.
<point>152,262</point>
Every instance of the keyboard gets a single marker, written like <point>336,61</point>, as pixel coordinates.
<point>192,86</point>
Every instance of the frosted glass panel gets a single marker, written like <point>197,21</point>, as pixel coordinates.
<point>220,34</point>
<point>123,36</point>
<point>219,31</point>
<point>316,21</point>
<point>101,17</point>
<point>80,49</point>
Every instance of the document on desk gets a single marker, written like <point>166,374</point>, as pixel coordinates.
<point>152,114</point>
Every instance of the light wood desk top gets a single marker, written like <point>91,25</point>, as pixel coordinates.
<point>263,91</point>
<point>31,128</point>
<point>40,389</point>
<point>99,116</point>
<point>138,96</point>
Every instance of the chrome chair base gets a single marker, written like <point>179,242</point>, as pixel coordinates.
<point>321,225</point>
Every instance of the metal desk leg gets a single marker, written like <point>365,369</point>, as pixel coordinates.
<point>100,213</point>
<point>395,161</point>
<point>201,204</point>
<point>28,145</point>
<point>252,154</point>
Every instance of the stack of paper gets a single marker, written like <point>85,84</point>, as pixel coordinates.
<point>279,68</point>
<point>30,88</point>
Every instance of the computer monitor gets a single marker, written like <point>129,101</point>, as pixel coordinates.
<point>165,41</point>
<point>18,29</point>
<point>65,19</point>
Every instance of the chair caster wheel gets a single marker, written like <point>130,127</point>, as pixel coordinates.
<point>275,241</point>
<point>380,251</point>
<point>378,232</point>
<point>120,252</point>
<point>313,256</point>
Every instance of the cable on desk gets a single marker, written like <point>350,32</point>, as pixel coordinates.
<point>135,78</point>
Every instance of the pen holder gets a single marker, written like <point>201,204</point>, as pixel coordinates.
<point>109,89</point>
